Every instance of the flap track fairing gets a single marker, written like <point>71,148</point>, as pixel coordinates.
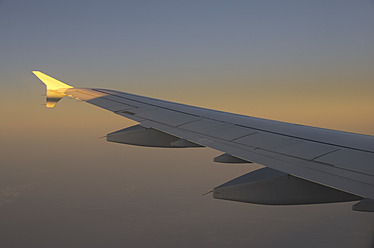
<point>271,187</point>
<point>141,136</point>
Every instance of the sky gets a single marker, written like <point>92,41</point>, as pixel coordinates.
<point>306,62</point>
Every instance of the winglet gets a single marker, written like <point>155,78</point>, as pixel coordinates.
<point>55,89</point>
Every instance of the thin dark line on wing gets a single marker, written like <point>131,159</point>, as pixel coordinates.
<point>239,125</point>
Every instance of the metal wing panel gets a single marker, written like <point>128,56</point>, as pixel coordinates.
<point>306,150</point>
<point>170,117</point>
<point>286,145</point>
<point>346,180</point>
<point>260,139</point>
<point>217,129</point>
<point>350,160</point>
<point>332,137</point>
<point>109,104</point>
<point>315,154</point>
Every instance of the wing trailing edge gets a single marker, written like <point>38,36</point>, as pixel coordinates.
<point>305,165</point>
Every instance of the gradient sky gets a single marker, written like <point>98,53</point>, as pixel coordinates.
<point>308,62</point>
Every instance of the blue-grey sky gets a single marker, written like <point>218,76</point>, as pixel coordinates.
<point>305,54</point>
<point>293,39</point>
<point>308,62</point>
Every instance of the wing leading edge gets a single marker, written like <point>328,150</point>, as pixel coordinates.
<point>327,158</point>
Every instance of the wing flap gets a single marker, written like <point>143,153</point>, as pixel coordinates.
<point>350,160</point>
<point>349,181</point>
<point>319,135</point>
<point>293,155</point>
<point>217,129</point>
<point>170,117</point>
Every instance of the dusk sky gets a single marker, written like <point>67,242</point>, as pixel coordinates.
<point>306,62</point>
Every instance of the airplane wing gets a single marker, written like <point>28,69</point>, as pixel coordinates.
<point>304,165</point>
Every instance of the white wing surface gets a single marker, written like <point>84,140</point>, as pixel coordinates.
<point>339,160</point>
